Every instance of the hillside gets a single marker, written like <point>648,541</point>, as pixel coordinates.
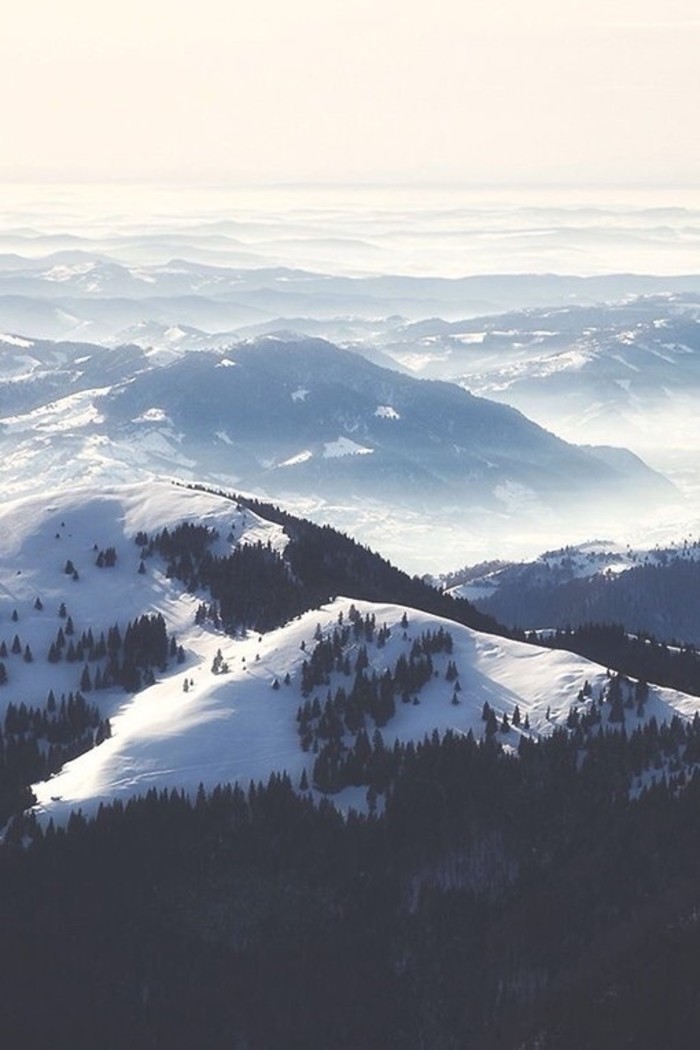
<point>220,700</point>
<point>298,416</point>
<point>423,806</point>
<point>333,435</point>
<point>623,372</point>
<point>651,590</point>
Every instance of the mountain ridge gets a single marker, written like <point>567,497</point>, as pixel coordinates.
<point>227,709</point>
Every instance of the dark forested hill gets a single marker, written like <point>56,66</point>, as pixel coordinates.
<point>501,902</point>
<point>659,598</point>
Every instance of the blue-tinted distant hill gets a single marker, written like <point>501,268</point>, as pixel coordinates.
<point>301,415</point>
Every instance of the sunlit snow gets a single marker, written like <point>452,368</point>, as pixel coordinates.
<point>344,447</point>
<point>151,415</point>
<point>301,457</point>
<point>232,725</point>
<point>15,340</point>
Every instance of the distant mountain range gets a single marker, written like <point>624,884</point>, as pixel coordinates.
<point>621,372</point>
<point>303,417</point>
<point>609,374</point>
<point>74,293</point>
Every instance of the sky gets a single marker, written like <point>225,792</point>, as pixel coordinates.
<point>552,91</point>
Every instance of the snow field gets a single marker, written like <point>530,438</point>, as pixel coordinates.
<point>232,725</point>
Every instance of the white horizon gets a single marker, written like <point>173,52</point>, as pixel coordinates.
<point>350,90</point>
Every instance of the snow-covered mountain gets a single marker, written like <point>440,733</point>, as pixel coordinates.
<point>587,358</point>
<point>228,707</point>
<point>37,373</point>
<point>652,590</point>
<point>619,373</point>
<point>80,292</point>
<point>303,417</point>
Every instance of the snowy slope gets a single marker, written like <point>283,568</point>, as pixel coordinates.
<point>235,726</point>
<point>232,725</point>
<point>283,423</point>
<point>40,534</point>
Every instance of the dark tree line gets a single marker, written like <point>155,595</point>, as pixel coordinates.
<point>494,902</point>
<point>326,562</point>
<point>640,656</point>
<point>125,656</point>
<point>336,728</point>
<point>36,742</point>
<point>253,586</point>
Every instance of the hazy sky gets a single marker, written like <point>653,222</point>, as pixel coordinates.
<point>549,90</point>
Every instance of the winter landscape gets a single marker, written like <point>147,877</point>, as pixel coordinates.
<point>396,564</point>
<point>350,529</point>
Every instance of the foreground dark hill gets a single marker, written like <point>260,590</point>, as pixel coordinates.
<point>499,902</point>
